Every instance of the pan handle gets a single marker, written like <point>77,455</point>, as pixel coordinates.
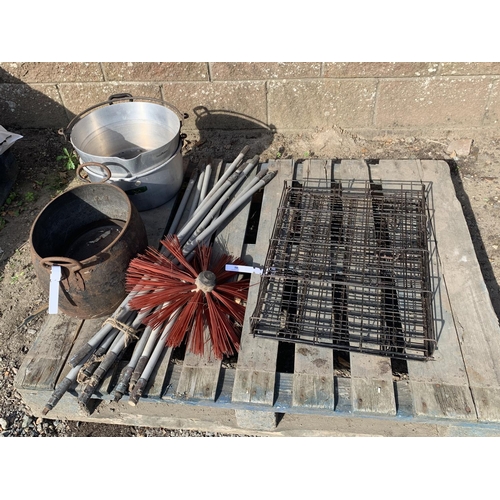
<point>124,95</point>
<point>117,98</point>
<point>106,170</point>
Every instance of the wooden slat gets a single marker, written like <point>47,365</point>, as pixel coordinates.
<point>440,387</point>
<point>256,370</point>
<point>200,374</point>
<point>473,313</point>
<point>47,356</point>
<point>371,375</point>
<point>313,378</point>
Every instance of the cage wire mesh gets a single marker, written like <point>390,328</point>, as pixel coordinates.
<point>348,267</point>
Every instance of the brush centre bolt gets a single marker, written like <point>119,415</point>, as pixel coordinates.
<point>206,281</point>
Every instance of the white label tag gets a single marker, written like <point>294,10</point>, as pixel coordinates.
<point>55,278</point>
<point>244,269</point>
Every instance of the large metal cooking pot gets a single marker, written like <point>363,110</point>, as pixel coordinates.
<point>149,189</point>
<point>126,133</point>
<point>92,231</point>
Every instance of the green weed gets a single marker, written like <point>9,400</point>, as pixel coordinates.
<point>29,197</point>
<point>11,198</point>
<point>69,158</point>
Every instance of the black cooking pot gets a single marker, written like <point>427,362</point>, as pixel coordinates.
<point>92,231</point>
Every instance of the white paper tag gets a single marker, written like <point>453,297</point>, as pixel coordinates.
<point>244,269</point>
<point>55,278</point>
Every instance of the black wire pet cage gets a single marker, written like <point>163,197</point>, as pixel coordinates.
<point>348,267</point>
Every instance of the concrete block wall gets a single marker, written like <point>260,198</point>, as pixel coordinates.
<point>287,97</point>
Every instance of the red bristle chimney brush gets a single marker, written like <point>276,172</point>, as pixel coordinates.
<point>200,294</point>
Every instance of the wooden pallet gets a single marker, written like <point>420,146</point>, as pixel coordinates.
<point>456,393</point>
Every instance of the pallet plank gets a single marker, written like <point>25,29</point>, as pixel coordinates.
<point>440,386</point>
<point>256,370</point>
<point>313,378</point>
<point>474,316</point>
<point>200,374</point>
<point>371,375</point>
<point>42,366</point>
<point>311,422</point>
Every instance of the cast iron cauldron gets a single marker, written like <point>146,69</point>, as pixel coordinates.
<point>92,231</point>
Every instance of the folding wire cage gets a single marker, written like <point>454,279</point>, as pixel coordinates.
<point>348,267</point>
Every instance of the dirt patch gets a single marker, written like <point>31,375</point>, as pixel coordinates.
<point>476,175</point>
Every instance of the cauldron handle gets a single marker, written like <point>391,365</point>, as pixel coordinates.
<point>72,265</point>
<point>80,167</point>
